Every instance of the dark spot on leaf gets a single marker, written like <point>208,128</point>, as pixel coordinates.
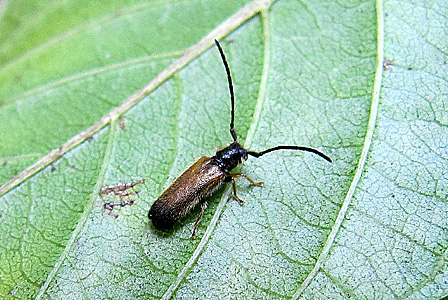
<point>388,64</point>
<point>122,124</point>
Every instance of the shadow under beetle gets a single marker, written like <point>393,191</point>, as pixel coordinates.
<point>207,174</point>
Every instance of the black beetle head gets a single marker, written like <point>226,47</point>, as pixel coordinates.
<point>230,157</point>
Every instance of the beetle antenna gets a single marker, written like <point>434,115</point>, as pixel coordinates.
<point>232,96</point>
<point>312,150</point>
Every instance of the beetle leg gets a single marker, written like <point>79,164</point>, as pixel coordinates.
<point>238,175</point>
<point>196,225</point>
<point>240,201</point>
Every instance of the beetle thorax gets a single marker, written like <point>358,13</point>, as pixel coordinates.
<point>230,157</point>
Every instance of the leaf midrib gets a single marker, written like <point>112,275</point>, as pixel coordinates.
<point>189,54</point>
<point>111,118</point>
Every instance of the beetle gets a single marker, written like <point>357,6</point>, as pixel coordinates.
<point>207,174</point>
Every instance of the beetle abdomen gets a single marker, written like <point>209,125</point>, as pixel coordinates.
<point>162,217</point>
<point>197,182</point>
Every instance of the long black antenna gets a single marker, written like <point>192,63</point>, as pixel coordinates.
<point>232,119</point>
<point>258,154</point>
<point>232,95</point>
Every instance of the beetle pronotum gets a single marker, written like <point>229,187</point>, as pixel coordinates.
<point>207,174</point>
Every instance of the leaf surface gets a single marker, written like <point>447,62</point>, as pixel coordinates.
<point>363,82</point>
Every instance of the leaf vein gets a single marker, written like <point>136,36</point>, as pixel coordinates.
<point>84,216</point>
<point>364,154</point>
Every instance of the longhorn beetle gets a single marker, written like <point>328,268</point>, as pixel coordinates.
<point>207,174</point>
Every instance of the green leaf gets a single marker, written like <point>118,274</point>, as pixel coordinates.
<point>363,82</point>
